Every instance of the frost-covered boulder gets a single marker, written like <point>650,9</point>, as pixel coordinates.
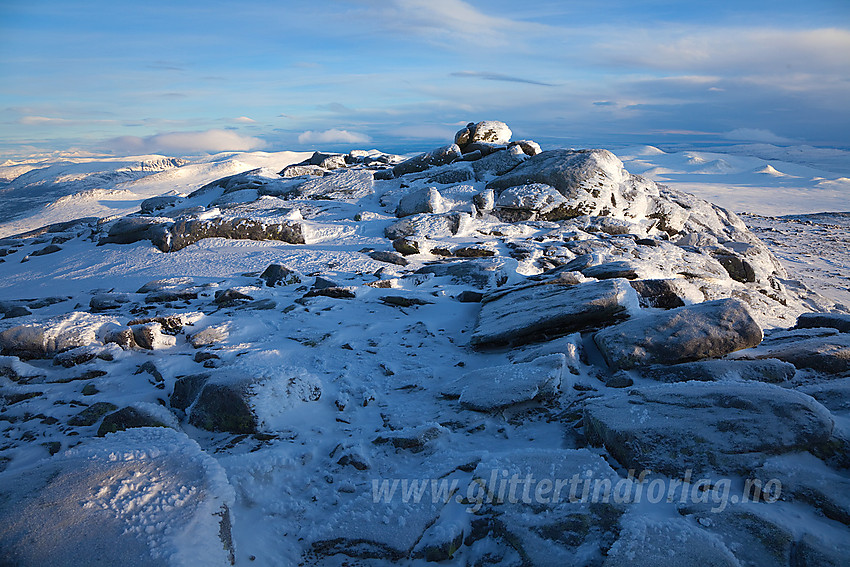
<point>498,163</point>
<point>155,204</point>
<point>276,274</point>
<point>532,312</point>
<point>706,330</point>
<point>426,200</point>
<point>134,229</point>
<point>529,202</point>
<point>838,321</point>
<point>488,389</point>
<point>650,542</point>
<point>54,335</point>
<point>346,184</point>
<point>442,225</point>
<point>827,352</point>
<point>211,335</point>
<point>223,405</point>
<point>189,231</point>
<point>439,156</point>
<point>146,496</point>
<point>708,427</point>
<point>484,132</point>
<point>150,336</point>
<point>768,370</point>
<point>482,273</point>
<point>138,415</point>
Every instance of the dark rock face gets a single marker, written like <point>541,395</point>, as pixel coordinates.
<point>439,156</point>
<point>665,294</point>
<point>223,407</point>
<point>155,204</point>
<point>186,390</point>
<point>127,418</point>
<point>771,371</point>
<point>134,229</point>
<point>707,330</point>
<point>827,354</point>
<point>276,274</point>
<point>388,257</point>
<point>187,232</point>
<point>724,427</point>
<point>91,414</point>
<point>838,321</point>
<point>528,313</point>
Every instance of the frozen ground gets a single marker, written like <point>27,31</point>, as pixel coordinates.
<point>280,407</point>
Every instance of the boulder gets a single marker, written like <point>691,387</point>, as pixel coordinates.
<point>91,414</point>
<point>107,301</point>
<point>661,293</point>
<point>211,335</point>
<point>838,321</point>
<point>130,417</point>
<point>150,336</point>
<point>388,257</point>
<point>528,147</point>
<point>186,390</point>
<point>442,225</point>
<point>154,204</point>
<point>275,275</point>
<point>146,496</point>
<point>533,312</point>
<point>527,202</point>
<point>340,185</point>
<point>829,354</point>
<point>439,156</point>
<point>706,330</point>
<point>134,229</point>
<point>650,542</point>
<point>186,232</point>
<point>709,427</point>
<point>498,163</point>
<point>768,370</point>
<point>406,246</point>
<point>53,336</point>
<point>426,200</point>
<point>482,273</point>
<point>223,406</point>
<point>488,389</point>
<point>486,131</point>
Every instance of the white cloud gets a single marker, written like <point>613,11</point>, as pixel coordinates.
<point>244,120</point>
<point>333,136</point>
<point>756,135</point>
<point>39,120</point>
<point>186,143</point>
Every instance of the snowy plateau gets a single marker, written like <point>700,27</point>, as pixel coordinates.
<point>486,354</point>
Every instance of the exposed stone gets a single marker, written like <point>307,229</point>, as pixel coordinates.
<point>829,354</point>
<point>429,225</point>
<point>388,257</point>
<point>771,371</point>
<point>154,204</point>
<point>107,301</point>
<point>49,249</point>
<point>186,390</point>
<point>91,414</point>
<point>406,246</point>
<point>224,407</point>
<point>439,156</point>
<point>230,297</point>
<point>127,418</point>
<point>343,184</point>
<point>426,200</point>
<point>276,274</point>
<point>720,427</point>
<point>838,321</point>
<point>150,336</point>
<point>209,336</point>
<point>530,313</point>
<point>707,330</point>
<point>498,163</point>
<point>482,273</point>
<point>664,294</point>
<point>187,232</point>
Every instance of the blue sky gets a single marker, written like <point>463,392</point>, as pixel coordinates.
<point>190,77</point>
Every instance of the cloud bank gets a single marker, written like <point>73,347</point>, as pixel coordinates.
<point>333,136</point>
<point>186,143</point>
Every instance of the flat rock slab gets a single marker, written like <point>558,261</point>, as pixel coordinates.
<point>493,388</point>
<point>706,330</point>
<point>769,370</point>
<point>827,354</point>
<point>146,496</point>
<point>838,321</point>
<point>528,313</point>
<point>709,427</point>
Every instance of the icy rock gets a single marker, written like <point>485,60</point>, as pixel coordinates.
<point>755,539</point>
<point>569,345</point>
<point>186,232</point>
<point>230,297</point>
<point>661,293</point>
<point>827,354</point>
<point>834,394</point>
<point>714,427</point>
<point>528,147</point>
<point>121,336</point>
<point>276,274</point>
<point>150,336</point>
<point>459,172</point>
<point>772,371</point>
<point>486,131</point>
<point>527,202</point>
<point>529,313</point>
<point>134,229</point>
<point>154,204</point>
<point>211,335</point>
<point>81,506</point>
<point>106,301</point>
<point>81,355</point>
<point>49,249</point>
<point>167,284</point>
<point>186,390</point>
<point>53,336</point>
<point>443,225</point>
<point>838,321</point>
<point>128,418</point>
<point>647,542</point>
<point>482,273</point>
<point>413,439</point>
<point>445,536</point>
<point>171,324</point>
<point>388,257</point>
<point>16,311</point>
<point>707,330</point>
<point>222,405</point>
<point>807,479</point>
<point>812,550</point>
<point>91,414</point>
<point>485,200</point>
<point>739,269</point>
<point>347,184</point>
<point>406,246</point>
<point>498,163</point>
<point>489,389</point>
<point>426,200</point>
<point>546,523</point>
<point>299,170</point>
<point>593,182</point>
<point>439,156</point>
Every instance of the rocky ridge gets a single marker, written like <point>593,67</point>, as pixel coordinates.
<point>543,312</point>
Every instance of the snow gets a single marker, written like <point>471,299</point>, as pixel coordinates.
<point>328,377</point>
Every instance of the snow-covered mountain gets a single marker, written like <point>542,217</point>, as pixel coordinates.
<point>485,354</point>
